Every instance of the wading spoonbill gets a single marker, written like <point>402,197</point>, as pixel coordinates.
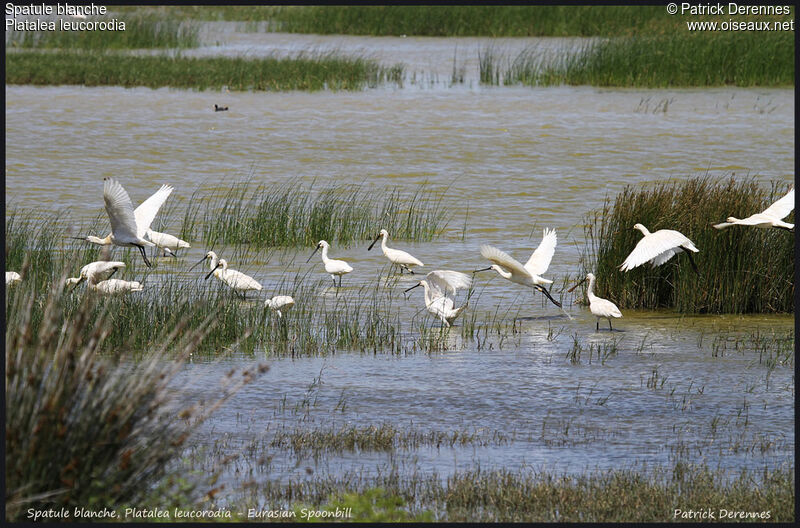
<point>657,248</point>
<point>599,307</point>
<point>213,260</point>
<point>332,266</point>
<point>169,244</point>
<point>508,268</point>
<point>438,285</point>
<point>398,257</point>
<point>94,272</point>
<point>99,270</point>
<point>772,216</point>
<point>12,277</point>
<point>280,304</point>
<point>238,281</point>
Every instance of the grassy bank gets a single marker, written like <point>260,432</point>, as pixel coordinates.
<point>291,215</point>
<point>309,71</point>
<point>672,60</point>
<point>141,32</point>
<point>744,270</point>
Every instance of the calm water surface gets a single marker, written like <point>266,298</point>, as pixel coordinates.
<point>517,159</point>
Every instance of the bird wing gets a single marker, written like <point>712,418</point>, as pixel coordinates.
<point>120,210</point>
<point>443,282</point>
<point>782,207</point>
<point>540,259</point>
<point>652,246</point>
<point>148,209</point>
<point>723,225</point>
<point>503,259</point>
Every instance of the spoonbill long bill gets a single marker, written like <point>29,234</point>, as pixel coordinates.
<point>398,257</point>
<point>508,268</point>
<point>143,215</point>
<point>211,257</point>
<point>438,285</point>
<point>332,266</point>
<point>772,216</point>
<point>12,277</point>
<point>657,248</point>
<point>599,307</point>
<point>238,281</point>
<point>280,304</point>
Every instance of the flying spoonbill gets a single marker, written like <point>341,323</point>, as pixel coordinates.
<point>438,284</point>
<point>280,304</point>
<point>402,259</point>
<point>772,216</point>
<point>237,280</point>
<point>332,266</point>
<point>657,248</point>
<point>599,307</point>
<point>528,275</point>
<point>12,277</point>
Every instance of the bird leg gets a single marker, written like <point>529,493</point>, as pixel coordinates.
<point>597,326</point>
<point>144,256</point>
<point>609,325</point>
<point>547,293</point>
<point>691,261</point>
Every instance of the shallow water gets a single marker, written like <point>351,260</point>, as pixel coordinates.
<point>517,159</point>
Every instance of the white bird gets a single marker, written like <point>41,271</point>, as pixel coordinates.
<point>598,306</point>
<point>772,216</point>
<point>213,260</point>
<point>280,304</point>
<point>238,281</point>
<point>169,244</point>
<point>100,270</point>
<point>396,256</point>
<point>114,286</point>
<point>12,277</point>
<point>508,268</point>
<point>332,266</point>
<point>438,285</point>
<point>143,215</point>
<point>657,248</point>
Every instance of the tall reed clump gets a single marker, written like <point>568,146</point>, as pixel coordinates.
<point>292,215</point>
<point>304,71</point>
<point>744,269</point>
<point>683,58</point>
<point>86,431</point>
<point>141,32</point>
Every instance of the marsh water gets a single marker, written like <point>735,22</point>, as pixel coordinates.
<point>509,162</point>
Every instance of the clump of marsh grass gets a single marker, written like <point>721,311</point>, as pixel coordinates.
<point>304,71</point>
<point>745,270</point>
<point>82,430</point>
<point>141,32</point>
<point>292,215</point>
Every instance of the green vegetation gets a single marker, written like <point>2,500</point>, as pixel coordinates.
<point>291,215</point>
<point>305,71</point>
<point>83,431</point>
<point>744,270</point>
<point>141,32</point>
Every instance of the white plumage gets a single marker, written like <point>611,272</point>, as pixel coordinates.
<point>657,248</point>
<point>398,257</point>
<point>598,306</point>
<point>772,216</point>
<point>169,244</point>
<point>95,272</point>
<point>332,266</point>
<point>439,285</point>
<point>238,281</point>
<point>99,270</point>
<point>124,229</point>
<point>280,304</point>
<point>12,277</point>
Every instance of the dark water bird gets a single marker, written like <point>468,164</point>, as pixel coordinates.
<point>220,108</point>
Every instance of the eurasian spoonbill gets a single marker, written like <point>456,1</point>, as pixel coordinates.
<point>94,273</point>
<point>280,304</point>
<point>438,285</point>
<point>598,306</point>
<point>657,248</point>
<point>238,281</point>
<point>213,260</point>
<point>169,244</point>
<point>12,277</point>
<point>772,216</point>
<point>99,270</point>
<point>508,268</point>
<point>332,266</point>
<point>401,258</point>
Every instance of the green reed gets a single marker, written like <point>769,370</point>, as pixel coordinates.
<point>141,32</point>
<point>85,431</point>
<point>292,215</point>
<point>681,58</point>
<point>744,269</point>
<point>303,71</point>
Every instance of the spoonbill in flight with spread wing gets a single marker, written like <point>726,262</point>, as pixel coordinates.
<point>772,216</point>
<point>657,248</point>
<point>438,286</point>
